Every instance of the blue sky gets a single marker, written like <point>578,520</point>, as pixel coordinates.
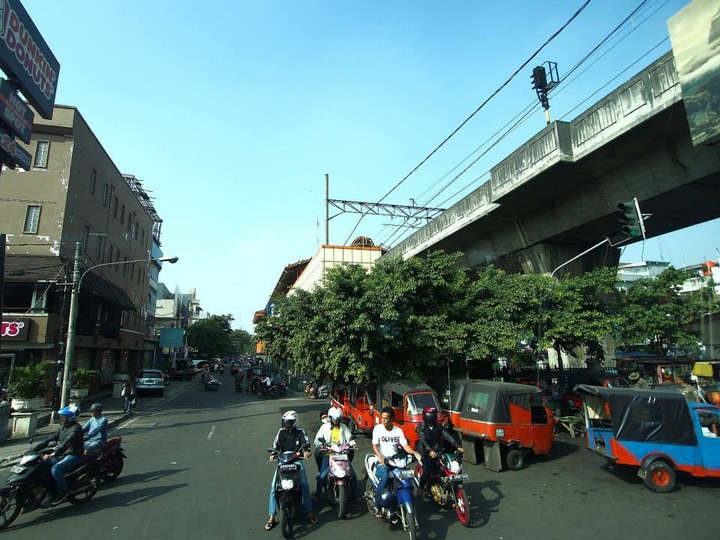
<point>231,112</point>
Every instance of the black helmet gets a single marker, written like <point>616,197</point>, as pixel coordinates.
<point>430,415</point>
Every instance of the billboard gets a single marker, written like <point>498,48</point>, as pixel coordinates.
<point>172,337</point>
<point>695,35</point>
<point>14,113</point>
<point>11,153</point>
<point>26,57</point>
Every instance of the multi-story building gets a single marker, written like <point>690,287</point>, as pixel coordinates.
<point>75,193</point>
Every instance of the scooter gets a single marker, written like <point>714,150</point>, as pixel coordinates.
<point>30,481</point>
<point>396,504</point>
<point>288,489</point>
<point>339,475</point>
<point>111,460</point>
<point>211,383</point>
<point>446,486</point>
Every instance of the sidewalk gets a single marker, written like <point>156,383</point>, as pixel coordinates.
<point>112,410</point>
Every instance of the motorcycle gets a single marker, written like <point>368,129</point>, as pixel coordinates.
<point>338,476</point>
<point>397,500</point>
<point>288,489</point>
<point>30,481</point>
<point>111,460</point>
<point>446,486</point>
<point>312,391</point>
<point>211,383</point>
<point>238,384</point>
<point>253,385</point>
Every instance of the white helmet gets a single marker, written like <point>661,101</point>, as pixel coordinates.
<point>334,414</point>
<point>289,419</point>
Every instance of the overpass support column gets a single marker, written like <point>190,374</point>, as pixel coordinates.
<point>544,258</point>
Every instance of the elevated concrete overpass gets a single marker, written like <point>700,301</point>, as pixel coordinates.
<point>556,195</point>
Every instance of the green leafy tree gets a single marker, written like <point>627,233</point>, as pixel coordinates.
<point>211,337</point>
<point>654,317</point>
<point>241,342</point>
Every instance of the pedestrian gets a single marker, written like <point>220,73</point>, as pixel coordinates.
<point>637,381</point>
<point>95,429</point>
<point>128,395</point>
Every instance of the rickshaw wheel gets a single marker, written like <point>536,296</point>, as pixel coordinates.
<point>660,477</point>
<point>515,459</point>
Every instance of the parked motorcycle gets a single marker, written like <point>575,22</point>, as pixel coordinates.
<point>111,460</point>
<point>30,481</point>
<point>263,390</point>
<point>397,500</point>
<point>446,486</point>
<point>288,489</point>
<point>339,474</point>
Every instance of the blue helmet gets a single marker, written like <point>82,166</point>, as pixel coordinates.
<point>70,412</point>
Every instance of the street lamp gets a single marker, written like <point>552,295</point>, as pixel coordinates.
<point>77,282</point>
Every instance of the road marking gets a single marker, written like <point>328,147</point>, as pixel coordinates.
<point>212,430</point>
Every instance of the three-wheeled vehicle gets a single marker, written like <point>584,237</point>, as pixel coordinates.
<point>499,422</point>
<point>658,431</point>
<point>406,397</point>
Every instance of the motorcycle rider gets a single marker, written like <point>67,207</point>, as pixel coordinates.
<point>386,438</point>
<point>433,439</point>
<point>95,429</point>
<point>291,438</point>
<point>66,455</point>
<point>333,432</point>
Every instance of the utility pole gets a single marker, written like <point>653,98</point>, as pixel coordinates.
<point>70,347</point>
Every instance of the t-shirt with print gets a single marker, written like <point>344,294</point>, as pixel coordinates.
<point>388,441</point>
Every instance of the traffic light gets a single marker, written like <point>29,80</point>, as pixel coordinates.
<point>539,78</point>
<point>631,219</point>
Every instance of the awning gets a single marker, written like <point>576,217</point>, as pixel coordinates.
<point>92,283</point>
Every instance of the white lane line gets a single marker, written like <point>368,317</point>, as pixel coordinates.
<point>212,430</point>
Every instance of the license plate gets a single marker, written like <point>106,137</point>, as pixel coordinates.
<point>458,477</point>
<point>406,473</point>
<point>340,457</point>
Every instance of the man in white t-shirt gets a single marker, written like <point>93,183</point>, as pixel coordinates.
<point>386,438</point>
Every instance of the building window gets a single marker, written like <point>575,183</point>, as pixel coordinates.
<point>117,260</point>
<point>122,214</point>
<point>124,266</point>
<point>93,180</point>
<point>99,248</point>
<point>135,231</point>
<point>142,237</point>
<point>115,206</point>
<point>42,150</point>
<point>110,253</point>
<point>106,194</point>
<point>86,236</point>
<point>32,219</point>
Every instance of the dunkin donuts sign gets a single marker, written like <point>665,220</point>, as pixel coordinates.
<point>26,57</point>
<point>15,330</point>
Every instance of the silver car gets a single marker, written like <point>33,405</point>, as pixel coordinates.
<point>151,381</point>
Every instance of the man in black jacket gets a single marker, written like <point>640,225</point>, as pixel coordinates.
<point>433,439</point>
<point>66,455</point>
<point>291,438</point>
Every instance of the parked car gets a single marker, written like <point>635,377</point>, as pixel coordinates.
<point>151,381</point>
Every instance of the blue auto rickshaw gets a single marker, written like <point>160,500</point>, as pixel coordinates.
<point>658,431</point>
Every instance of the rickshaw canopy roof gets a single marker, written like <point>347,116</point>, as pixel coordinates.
<point>485,400</point>
<point>405,386</point>
<point>645,415</point>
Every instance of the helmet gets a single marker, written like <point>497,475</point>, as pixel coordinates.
<point>430,415</point>
<point>289,419</point>
<point>334,413</point>
<point>96,407</point>
<point>70,412</point>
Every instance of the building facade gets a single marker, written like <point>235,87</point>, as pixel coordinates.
<point>74,194</point>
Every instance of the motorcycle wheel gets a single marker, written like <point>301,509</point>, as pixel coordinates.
<point>462,506</point>
<point>409,524</point>
<point>9,508</point>
<point>286,519</point>
<point>111,473</point>
<point>89,484</point>
<point>341,500</point>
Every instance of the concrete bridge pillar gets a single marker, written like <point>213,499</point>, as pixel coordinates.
<point>544,258</point>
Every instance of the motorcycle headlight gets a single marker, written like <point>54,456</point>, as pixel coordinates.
<point>454,467</point>
<point>287,483</point>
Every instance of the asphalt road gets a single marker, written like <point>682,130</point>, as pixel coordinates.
<point>197,469</point>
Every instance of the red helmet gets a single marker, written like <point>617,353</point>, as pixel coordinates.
<point>430,415</point>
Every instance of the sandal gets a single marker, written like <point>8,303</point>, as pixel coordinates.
<point>270,525</point>
<point>312,519</point>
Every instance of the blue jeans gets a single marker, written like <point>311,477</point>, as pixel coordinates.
<point>60,467</point>
<point>320,479</point>
<point>126,402</point>
<point>94,445</point>
<point>383,474</point>
<point>306,500</point>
